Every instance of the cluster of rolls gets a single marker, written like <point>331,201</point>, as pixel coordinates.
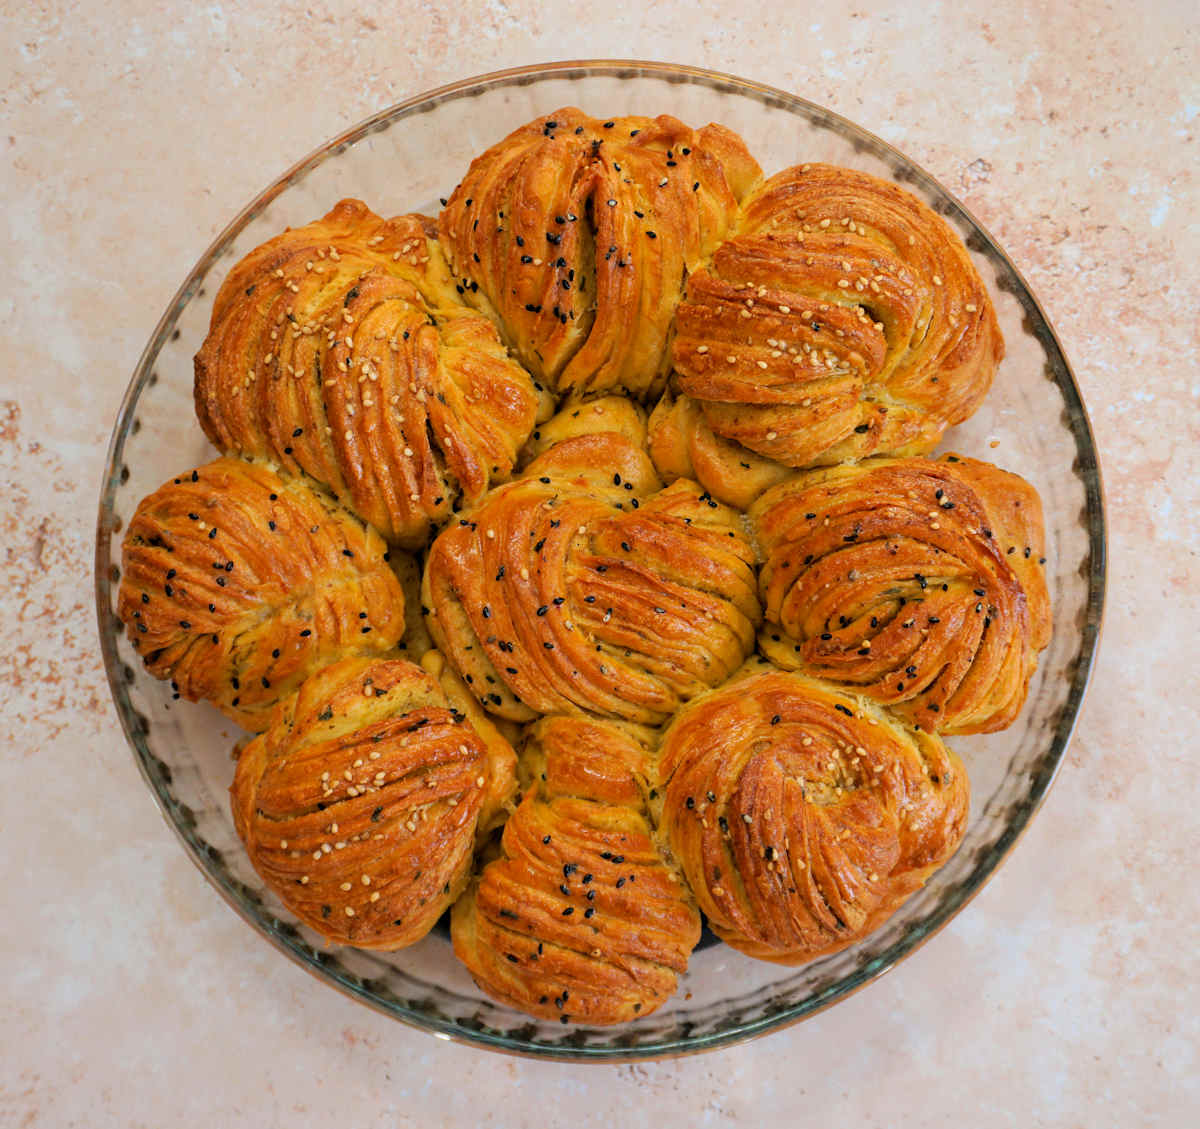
<point>578,563</point>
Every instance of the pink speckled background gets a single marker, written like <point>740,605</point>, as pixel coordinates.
<point>1065,995</point>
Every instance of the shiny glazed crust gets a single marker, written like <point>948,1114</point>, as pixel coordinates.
<point>580,918</point>
<point>583,588</point>
<point>238,582</point>
<point>844,318</point>
<point>359,806</point>
<point>341,349</point>
<point>577,233</point>
<point>802,816</point>
<point>748,375</point>
<point>917,582</point>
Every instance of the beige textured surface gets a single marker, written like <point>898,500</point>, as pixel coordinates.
<point>1065,995</point>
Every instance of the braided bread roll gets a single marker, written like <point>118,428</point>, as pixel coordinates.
<point>238,582</point>
<point>802,816</point>
<point>917,582</point>
<point>360,804</point>
<point>843,319</point>
<point>582,587</point>
<point>341,349</point>
<point>581,917</point>
<point>577,233</point>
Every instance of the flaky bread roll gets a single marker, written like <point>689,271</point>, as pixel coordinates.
<point>342,349</point>
<point>584,588</point>
<point>581,917</point>
<point>577,234</point>
<point>360,804</point>
<point>238,582</point>
<point>844,318</point>
<point>803,816</point>
<point>918,582</point>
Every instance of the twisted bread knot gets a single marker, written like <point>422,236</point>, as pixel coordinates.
<point>580,917</point>
<point>576,589</point>
<point>917,582</point>
<point>360,803</point>
<point>340,348</point>
<point>239,582</point>
<point>577,234</point>
<point>843,319</point>
<point>803,817</point>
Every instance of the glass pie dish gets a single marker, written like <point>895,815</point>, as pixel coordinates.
<point>1034,423</point>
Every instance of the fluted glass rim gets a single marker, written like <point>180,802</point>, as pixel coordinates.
<point>157,775</point>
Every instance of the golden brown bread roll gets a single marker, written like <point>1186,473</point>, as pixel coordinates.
<point>360,804</point>
<point>803,816</point>
<point>578,233</point>
<point>340,348</point>
<point>844,318</point>
<point>238,582</point>
<point>581,917</point>
<point>579,588</point>
<point>917,582</point>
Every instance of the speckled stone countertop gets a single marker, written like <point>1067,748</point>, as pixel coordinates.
<point>1064,995</point>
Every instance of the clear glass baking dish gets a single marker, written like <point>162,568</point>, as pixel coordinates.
<point>404,159</point>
